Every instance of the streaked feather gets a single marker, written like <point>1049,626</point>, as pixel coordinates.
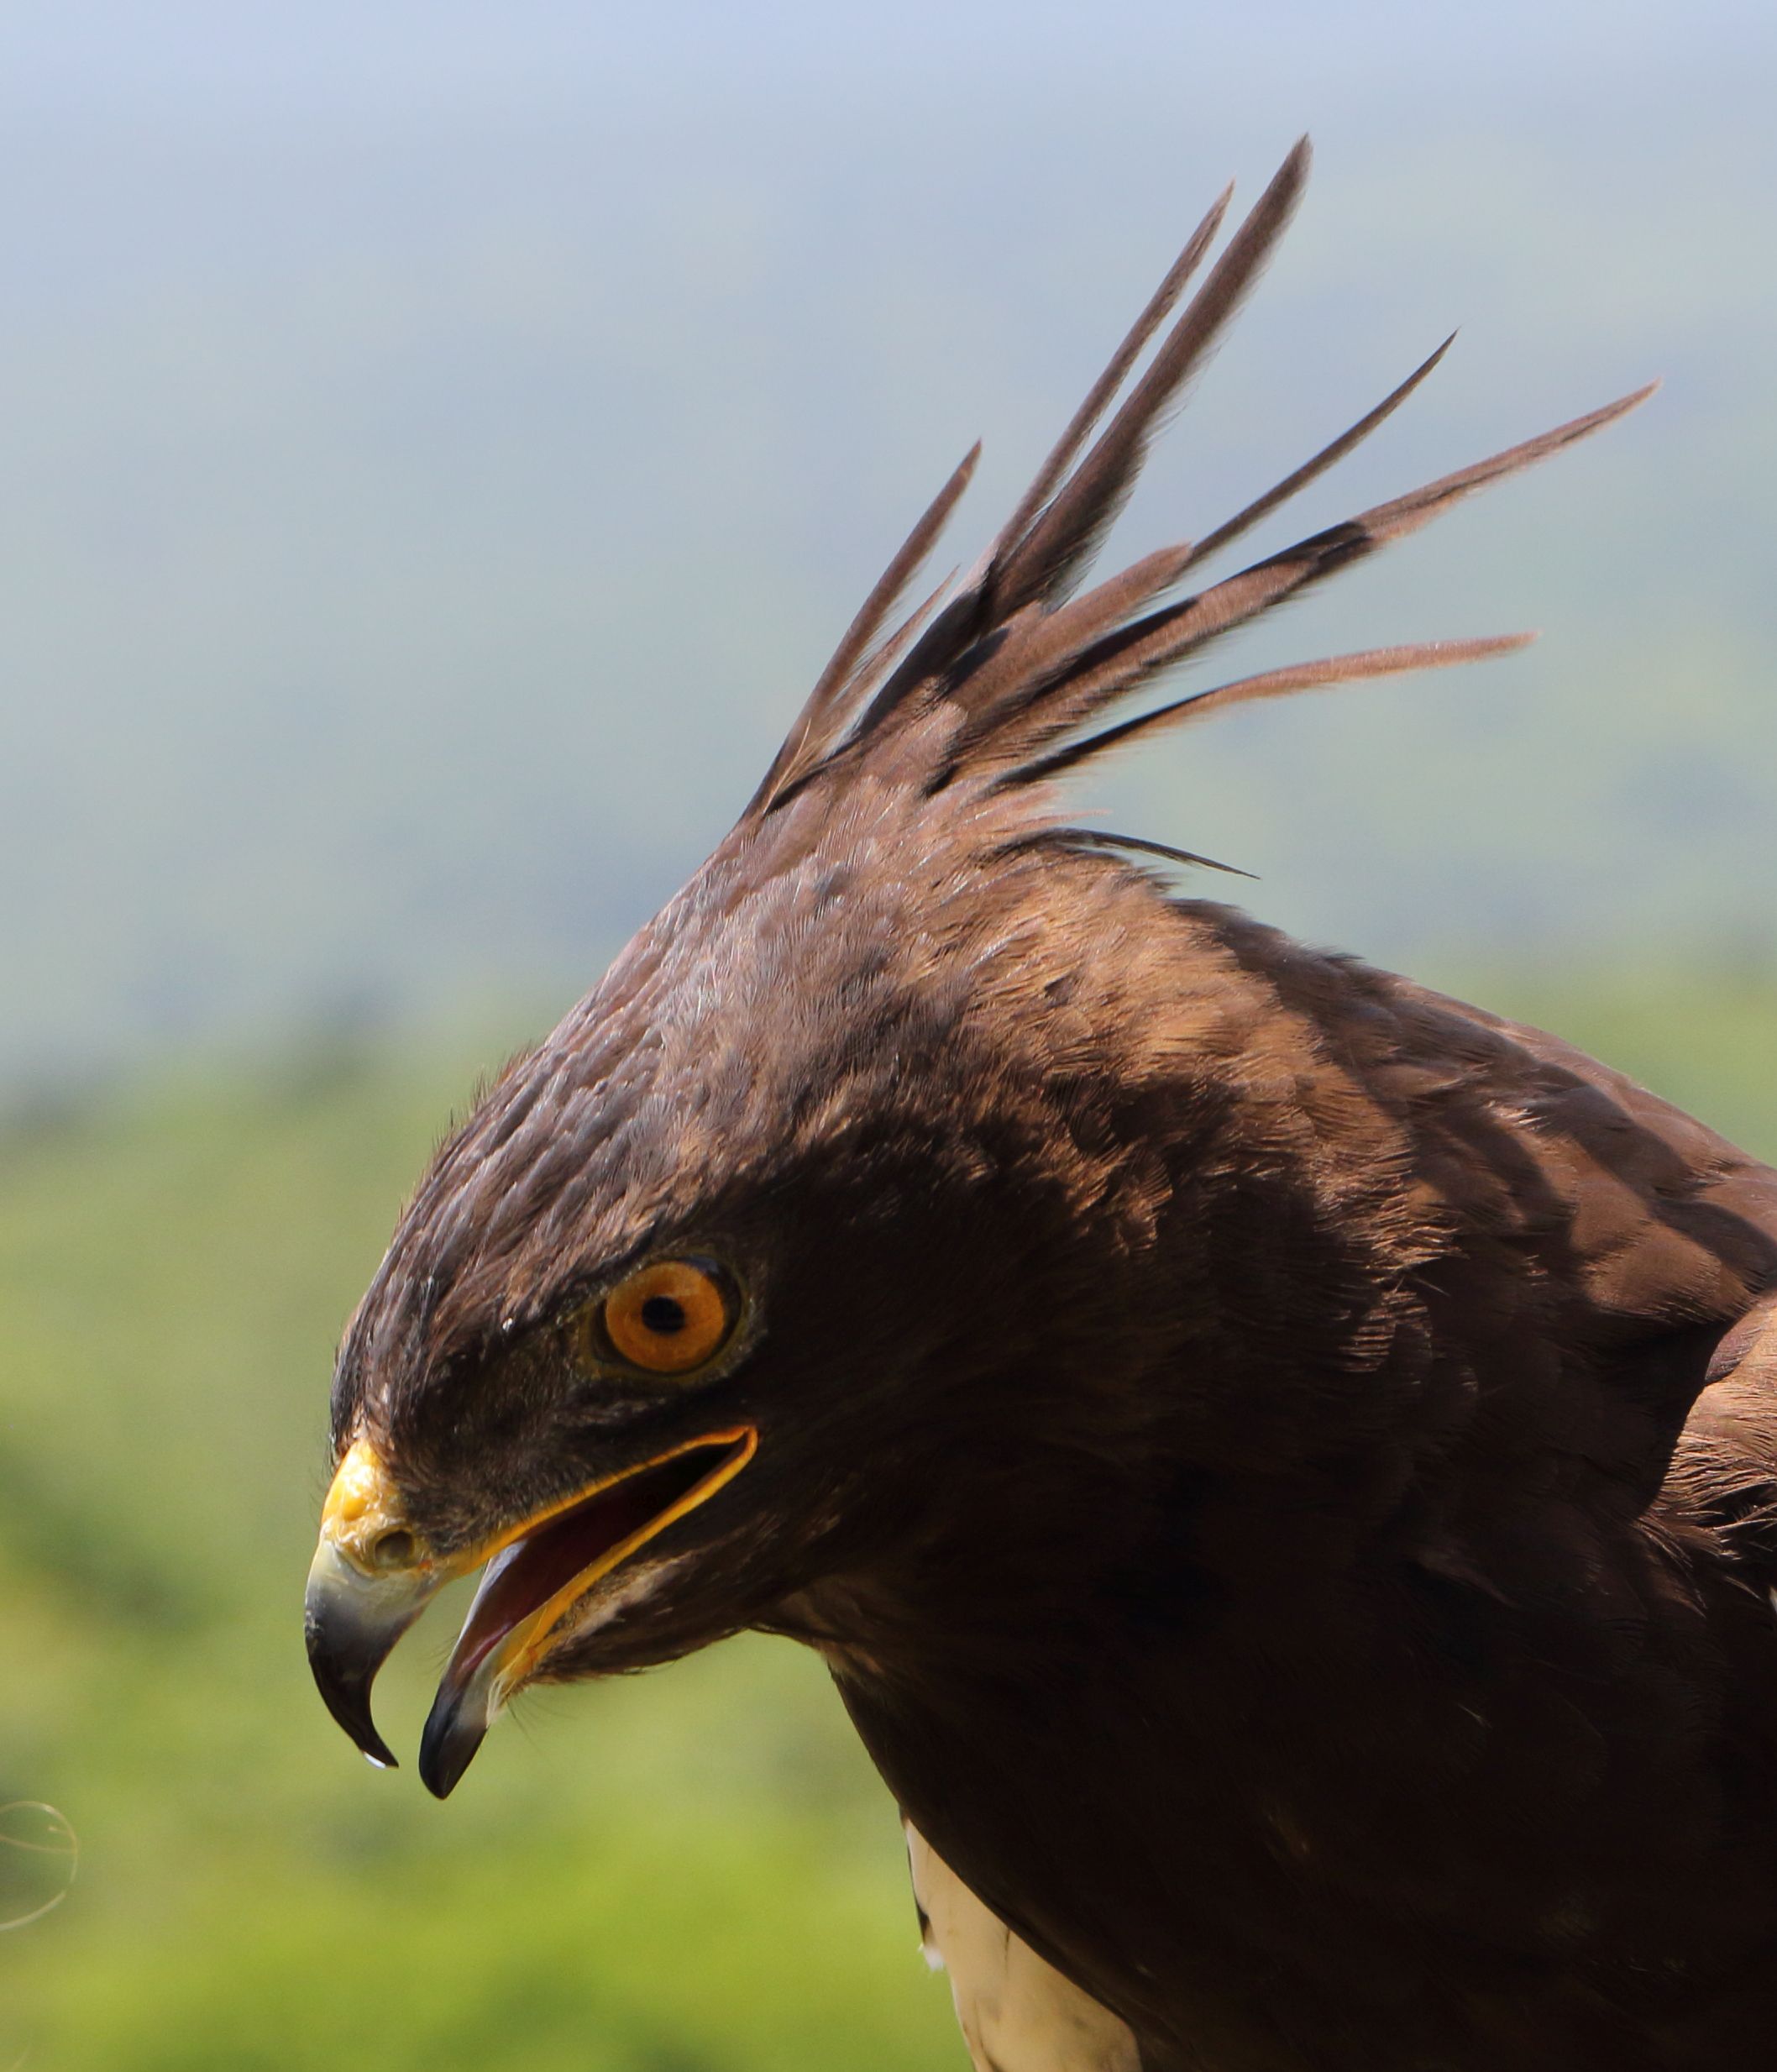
<point>1098,398</point>
<point>1329,455</point>
<point>1064,536</point>
<point>1137,652</point>
<point>829,704</point>
<point>1106,838</point>
<point>1348,669</point>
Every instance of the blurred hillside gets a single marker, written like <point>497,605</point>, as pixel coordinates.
<point>439,448</point>
<point>693,1871</point>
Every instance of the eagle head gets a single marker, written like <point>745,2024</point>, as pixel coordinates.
<point>790,1258</point>
<point>807,1278</point>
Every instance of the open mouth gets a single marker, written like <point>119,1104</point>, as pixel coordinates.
<point>535,1579</point>
<point>372,1576</point>
<point>530,1586</point>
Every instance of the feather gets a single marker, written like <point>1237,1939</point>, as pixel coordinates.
<point>1044,543</point>
<point>1348,669</point>
<point>1329,456</point>
<point>1071,629</point>
<point>1064,536</point>
<point>1134,653</point>
<point>1025,665</point>
<point>1066,449</point>
<point>1035,645</point>
<point>1105,838</point>
<point>829,703</point>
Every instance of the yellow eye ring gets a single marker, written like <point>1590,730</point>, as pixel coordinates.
<point>668,1318</point>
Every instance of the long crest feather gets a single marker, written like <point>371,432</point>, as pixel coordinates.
<point>1103,839</point>
<point>836,691</point>
<point>1025,666</point>
<point>1139,650</point>
<point>1037,565</point>
<point>1103,392</point>
<point>1349,668</point>
<point>1063,537</point>
<point>1329,456</point>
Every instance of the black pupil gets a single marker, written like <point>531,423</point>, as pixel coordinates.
<point>662,1315</point>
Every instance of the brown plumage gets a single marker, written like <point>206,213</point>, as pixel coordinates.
<point>1279,1462</point>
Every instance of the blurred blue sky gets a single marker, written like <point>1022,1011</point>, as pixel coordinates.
<point>427,58</point>
<point>440,441</point>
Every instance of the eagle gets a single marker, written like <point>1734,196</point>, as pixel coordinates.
<point>1281,1464</point>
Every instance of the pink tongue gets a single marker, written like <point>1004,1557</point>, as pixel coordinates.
<point>532,1570</point>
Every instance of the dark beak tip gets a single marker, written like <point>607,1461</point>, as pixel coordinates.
<point>448,1746</point>
<point>354,1720</point>
<point>344,1681</point>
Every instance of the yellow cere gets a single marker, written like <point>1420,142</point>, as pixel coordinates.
<point>362,1516</point>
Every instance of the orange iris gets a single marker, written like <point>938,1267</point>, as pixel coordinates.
<point>668,1318</point>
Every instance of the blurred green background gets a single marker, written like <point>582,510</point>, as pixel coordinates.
<point>439,444</point>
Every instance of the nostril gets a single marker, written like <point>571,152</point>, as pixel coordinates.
<point>392,1550</point>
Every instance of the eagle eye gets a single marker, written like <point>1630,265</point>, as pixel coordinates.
<point>669,1317</point>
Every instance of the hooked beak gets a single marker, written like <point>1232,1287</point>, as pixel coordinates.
<point>368,1581</point>
<point>372,1575</point>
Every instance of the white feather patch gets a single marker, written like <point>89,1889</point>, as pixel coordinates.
<point>1018,2013</point>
